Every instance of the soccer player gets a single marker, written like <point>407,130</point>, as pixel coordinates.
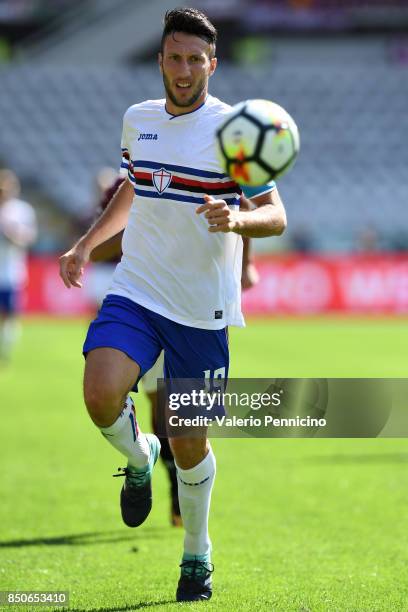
<point>177,286</point>
<point>112,250</point>
<point>18,231</point>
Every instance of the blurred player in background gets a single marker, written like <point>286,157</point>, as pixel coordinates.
<point>177,287</point>
<point>108,255</point>
<point>18,231</point>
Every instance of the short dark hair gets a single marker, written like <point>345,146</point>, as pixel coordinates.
<point>190,21</point>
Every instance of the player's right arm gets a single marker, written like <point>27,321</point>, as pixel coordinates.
<point>112,221</point>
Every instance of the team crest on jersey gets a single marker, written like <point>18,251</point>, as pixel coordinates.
<point>161,179</point>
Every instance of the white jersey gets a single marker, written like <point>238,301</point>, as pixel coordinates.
<point>171,263</point>
<point>18,221</point>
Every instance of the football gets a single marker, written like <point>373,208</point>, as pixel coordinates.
<point>257,142</point>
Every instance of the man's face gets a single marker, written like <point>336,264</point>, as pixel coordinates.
<point>186,67</point>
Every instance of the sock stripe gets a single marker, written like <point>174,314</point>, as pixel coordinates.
<point>133,423</point>
<point>193,484</point>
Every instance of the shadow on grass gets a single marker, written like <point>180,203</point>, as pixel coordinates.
<point>80,539</point>
<point>368,459</point>
<point>136,606</point>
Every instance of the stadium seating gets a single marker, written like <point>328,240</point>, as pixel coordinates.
<point>60,124</point>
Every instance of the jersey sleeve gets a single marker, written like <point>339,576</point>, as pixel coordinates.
<point>126,168</point>
<point>253,192</point>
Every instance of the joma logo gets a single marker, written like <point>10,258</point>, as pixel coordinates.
<point>148,137</point>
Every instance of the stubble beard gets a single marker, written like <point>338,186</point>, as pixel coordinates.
<point>197,93</point>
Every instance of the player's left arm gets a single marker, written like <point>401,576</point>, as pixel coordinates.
<point>267,219</point>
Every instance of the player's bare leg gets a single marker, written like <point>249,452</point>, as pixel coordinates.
<point>196,469</point>
<point>109,376</point>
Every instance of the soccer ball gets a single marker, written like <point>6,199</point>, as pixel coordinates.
<point>257,142</point>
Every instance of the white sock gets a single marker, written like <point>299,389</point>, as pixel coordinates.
<point>126,437</point>
<point>194,490</point>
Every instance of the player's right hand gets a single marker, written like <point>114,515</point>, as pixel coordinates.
<point>72,265</point>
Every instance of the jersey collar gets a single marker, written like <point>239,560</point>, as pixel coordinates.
<point>171,116</point>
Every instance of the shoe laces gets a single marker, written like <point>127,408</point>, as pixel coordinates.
<point>196,569</point>
<point>134,479</point>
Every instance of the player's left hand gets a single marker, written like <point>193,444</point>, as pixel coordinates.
<point>219,215</point>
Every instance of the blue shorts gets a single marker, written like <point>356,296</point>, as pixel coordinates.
<point>9,301</point>
<point>189,352</point>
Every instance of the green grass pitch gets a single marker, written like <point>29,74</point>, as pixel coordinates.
<point>296,525</point>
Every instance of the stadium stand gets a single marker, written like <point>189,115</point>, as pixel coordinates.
<point>25,10</point>
<point>63,123</point>
<point>97,32</point>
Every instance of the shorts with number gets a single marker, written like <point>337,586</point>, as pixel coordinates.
<point>189,352</point>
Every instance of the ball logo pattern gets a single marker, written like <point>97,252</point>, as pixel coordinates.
<point>257,142</point>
